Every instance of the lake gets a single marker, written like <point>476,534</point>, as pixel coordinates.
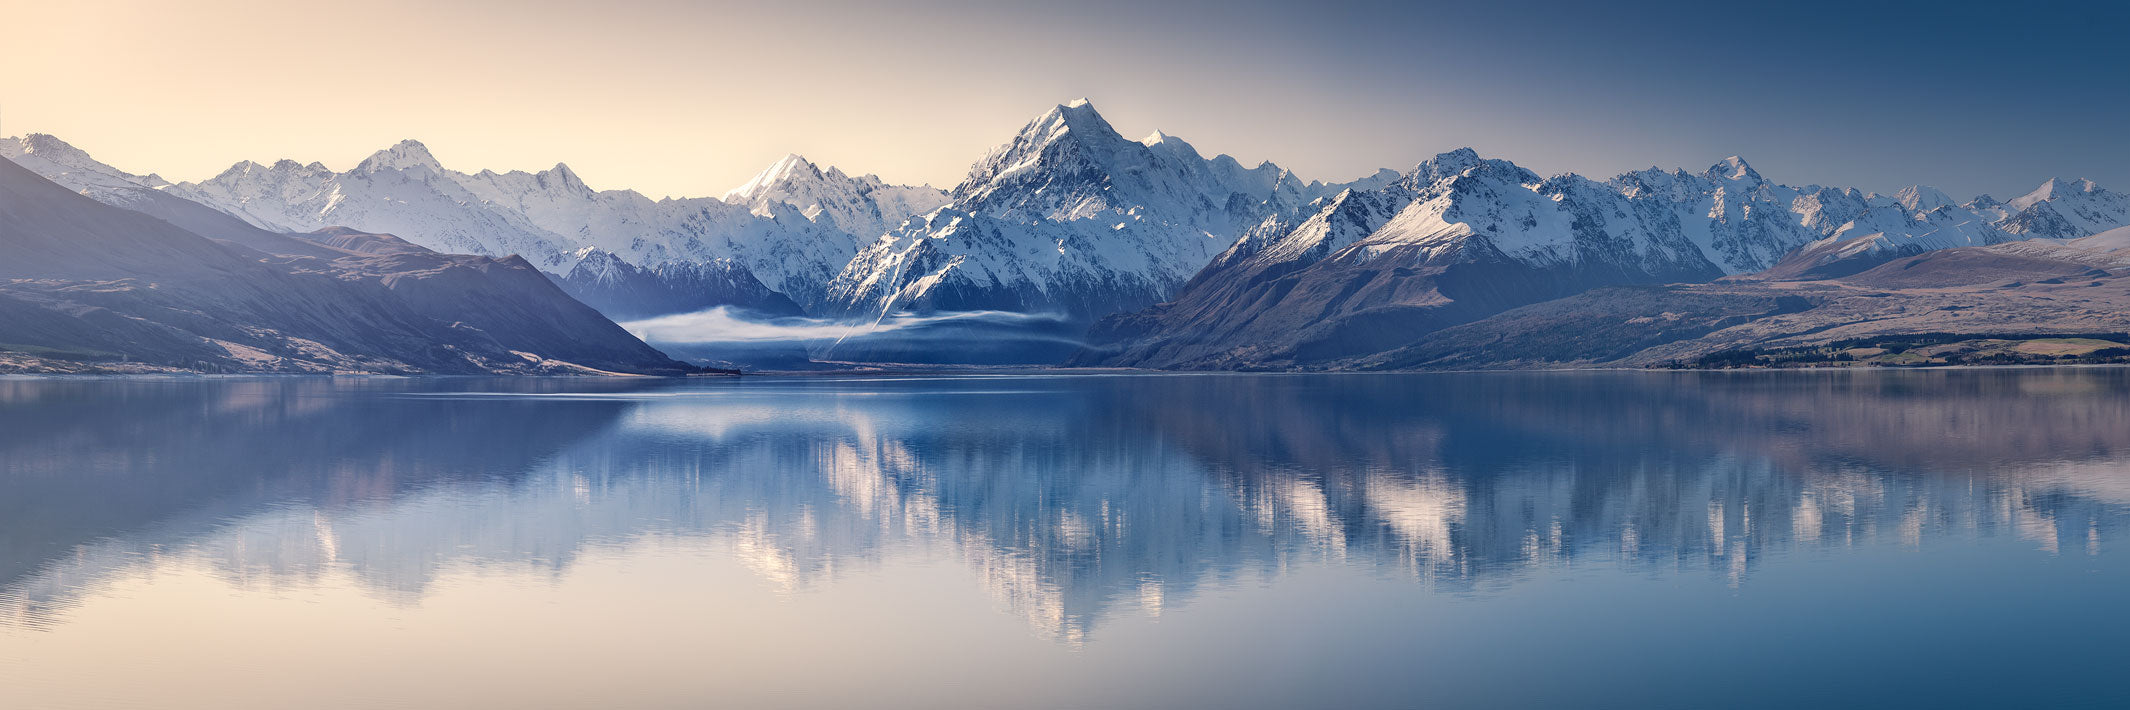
<point>1921,538</point>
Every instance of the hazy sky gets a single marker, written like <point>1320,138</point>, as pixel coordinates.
<point>692,98</point>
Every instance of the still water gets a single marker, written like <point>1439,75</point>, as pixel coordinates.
<point>1693,540</point>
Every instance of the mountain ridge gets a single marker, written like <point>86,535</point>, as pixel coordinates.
<point>1070,217</point>
<point>92,286</point>
<point>1168,258</point>
<point>550,215</point>
<point>1460,238</point>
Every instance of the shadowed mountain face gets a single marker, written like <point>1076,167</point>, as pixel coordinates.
<point>90,286</point>
<point>1069,217</point>
<point>787,232</point>
<point>1459,239</point>
<point>1069,498</point>
<point>624,291</point>
<point>1151,253</point>
<point>2030,288</point>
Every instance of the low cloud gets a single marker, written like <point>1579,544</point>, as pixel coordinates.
<point>729,325</point>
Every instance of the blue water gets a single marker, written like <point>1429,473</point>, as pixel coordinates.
<point>1692,540</point>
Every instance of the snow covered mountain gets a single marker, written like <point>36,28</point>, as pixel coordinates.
<point>1745,223</point>
<point>72,168</point>
<point>1254,266</point>
<point>104,272</point>
<point>2064,209</point>
<point>864,206</point>
<point>69,166</point>
<point>1459,238</point>
<point>625,291</point>
<point>401,190</point>
<point>552,216</point>
<point>1069,217</point>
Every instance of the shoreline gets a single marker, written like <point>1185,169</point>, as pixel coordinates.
<point>1004,371</point>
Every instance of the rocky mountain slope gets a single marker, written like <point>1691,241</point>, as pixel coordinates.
<point>625,291</point>
<point>864,206</point>
<point>88,286</point>
<point>1460,238</point>
<point>1069,217</point>
<point>1159,256</point>
<point>2013,292</point>
<point>791,228</point>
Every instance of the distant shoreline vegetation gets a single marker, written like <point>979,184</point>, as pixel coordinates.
<point>1927,350</point>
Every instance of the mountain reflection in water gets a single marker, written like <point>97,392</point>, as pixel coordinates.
<point>1069,497</point>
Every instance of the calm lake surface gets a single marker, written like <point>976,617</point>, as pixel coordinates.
<point>1693,540</point>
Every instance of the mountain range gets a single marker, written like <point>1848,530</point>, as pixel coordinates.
<point>1070,217</point>
<point>90,286</point>
<point>1460,238</point>
<point>555,221</point>
<point>1137,253</point>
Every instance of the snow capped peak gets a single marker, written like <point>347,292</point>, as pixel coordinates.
<point>594,255</point>
<point>1165,143</point>
<point>72,167</point>
<point>2067,208</point>
<point>565,177</point>
<point>786,169</point>
<point>1458,159</point>
<point>243,167</point>
<point>2054,188</point>
<point>595,265</point>
<point>1733,168</point>
<point>793,162</point>
<point>1922,198</point>
<point>1077,116</point>
<point>405,155</point>
<point>1443,165</point>
<point>52,148</point>
<point>796,190</point>
<point>1072,217</point>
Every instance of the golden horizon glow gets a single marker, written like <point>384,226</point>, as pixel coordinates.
<point>669,100</point>
<point>691,98</point>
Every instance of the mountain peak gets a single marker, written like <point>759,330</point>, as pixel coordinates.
<point>1733,168</point>
<point>50,147</point>
<point>1177,146</point>
<point>794,162</point>
<point>1922,198</point>
<point>1444,165</point>
<point>241,167</point>
<point>595,264</point>
<point>568,177</point>
<point>1076,116</point>
<point>1071,132</point>
<point>1463,155</point>
<point>404,155</point>
<point>790,167</point>
<point>2054,188</point>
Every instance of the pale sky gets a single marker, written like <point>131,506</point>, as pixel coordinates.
<point>675,98</point>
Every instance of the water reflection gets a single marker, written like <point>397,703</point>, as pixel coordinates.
<point>1070,497</point>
